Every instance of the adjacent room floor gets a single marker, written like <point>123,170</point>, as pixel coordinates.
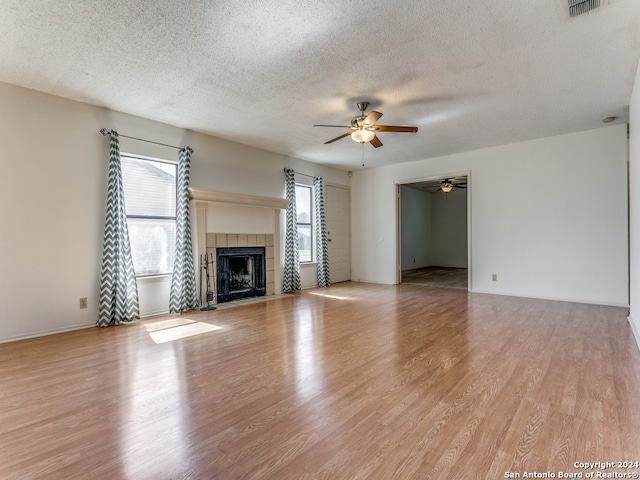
<point>443,277</point>
<point>355,381</point>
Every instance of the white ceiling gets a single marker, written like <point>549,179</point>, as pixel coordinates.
<point>263,72</point>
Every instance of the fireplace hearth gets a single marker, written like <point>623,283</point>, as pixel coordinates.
<point>241,273</point>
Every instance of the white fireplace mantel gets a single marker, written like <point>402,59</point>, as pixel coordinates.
<point>238,199</point>
<point>242,219</point>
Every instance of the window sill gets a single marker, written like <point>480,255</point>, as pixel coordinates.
<point>154,277</point>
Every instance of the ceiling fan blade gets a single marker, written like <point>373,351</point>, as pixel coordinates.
<point>337,126</point>
<point>394,128</point>
<point>371,119</point>
<point>338,138</point>
<point>375,141</point>
<point>459,186</point>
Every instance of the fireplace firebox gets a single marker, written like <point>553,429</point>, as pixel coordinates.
<point>240,273</point>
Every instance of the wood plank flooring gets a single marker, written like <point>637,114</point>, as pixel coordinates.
<point>356,381</point>
<point>445,277</point>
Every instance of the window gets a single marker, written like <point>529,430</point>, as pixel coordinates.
<point>150,203</point>
<point>304,196</point>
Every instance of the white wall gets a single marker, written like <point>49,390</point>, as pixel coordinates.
<point>52,199</point>
<point>634,206</point>
<point>449,229</point>
<point>238,219</point>
<point>416,228</point>
<point>548,216</point>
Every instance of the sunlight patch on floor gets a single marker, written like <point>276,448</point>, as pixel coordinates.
<point>329,296</point>
<point>177,328</point>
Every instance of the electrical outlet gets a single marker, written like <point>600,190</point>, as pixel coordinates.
<point>494,277</point>
<point>83,302</point>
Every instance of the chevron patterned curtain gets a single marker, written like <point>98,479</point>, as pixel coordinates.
<point>118,288</point>
<point>291,275</point>
<point>322,251</point>
<point>183,295</point>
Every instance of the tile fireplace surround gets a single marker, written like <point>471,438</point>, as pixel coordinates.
<point>226,240</point>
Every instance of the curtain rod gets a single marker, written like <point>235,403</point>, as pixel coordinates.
<point>299,173</point>
<point>106,132</point>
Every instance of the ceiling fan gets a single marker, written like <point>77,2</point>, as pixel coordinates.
<point>364,127</point>
<point>447,185</point>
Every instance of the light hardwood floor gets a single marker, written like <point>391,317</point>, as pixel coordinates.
<point>444,277</point>
<point>355,381</point>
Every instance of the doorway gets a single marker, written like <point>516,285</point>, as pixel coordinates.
<point>434,231</point>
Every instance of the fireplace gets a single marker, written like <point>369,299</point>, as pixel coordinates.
<point>240,272</point>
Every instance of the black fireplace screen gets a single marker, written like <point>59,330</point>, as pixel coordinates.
<point>240,273</point>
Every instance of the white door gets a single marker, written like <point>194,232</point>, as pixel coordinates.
<point>338,218</point>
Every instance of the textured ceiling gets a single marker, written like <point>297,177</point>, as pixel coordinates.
<point>263,72</point>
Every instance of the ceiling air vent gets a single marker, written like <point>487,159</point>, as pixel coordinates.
<point>578,7</point>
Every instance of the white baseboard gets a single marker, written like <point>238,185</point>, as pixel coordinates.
<point>44,333</point>
<point>375,282</point>
<point>555,299</point>
<point>635,329</point>
<point>155,312</point>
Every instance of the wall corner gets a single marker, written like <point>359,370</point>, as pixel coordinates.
<point>635,328</point>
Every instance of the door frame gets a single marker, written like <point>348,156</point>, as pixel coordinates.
<point>398,200</point>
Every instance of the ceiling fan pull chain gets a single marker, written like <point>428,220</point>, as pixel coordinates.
<point>362,143</point>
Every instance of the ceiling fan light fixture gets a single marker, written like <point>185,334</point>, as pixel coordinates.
<point>363,128</point>
<point>446,187</point>
<point>362,136</point>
